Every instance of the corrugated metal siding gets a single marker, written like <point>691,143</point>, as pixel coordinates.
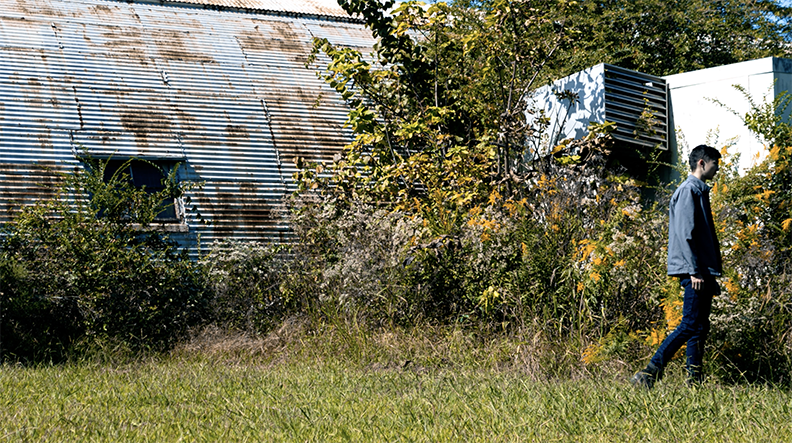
<point>224,92</point>
<point>326,8</point>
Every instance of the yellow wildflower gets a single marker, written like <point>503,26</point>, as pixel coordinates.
<point>591,353</point>
<point>765,196</point>
<point>732,288</point>
<point>774,152</point>
<point>656,336</point>
<point>587,249</point>
<point>494,197</point>
<point>673,313</point>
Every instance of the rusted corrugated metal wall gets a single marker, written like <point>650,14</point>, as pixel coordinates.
<point>314,8</point>
<point>224,92</point>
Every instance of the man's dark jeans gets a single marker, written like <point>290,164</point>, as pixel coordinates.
<point>694,327</point>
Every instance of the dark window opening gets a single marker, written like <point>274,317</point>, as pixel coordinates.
<point>149,176</point>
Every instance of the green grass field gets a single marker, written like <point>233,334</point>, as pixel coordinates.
<point>211,399</point>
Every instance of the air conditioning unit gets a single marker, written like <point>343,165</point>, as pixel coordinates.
<point>637,103</point>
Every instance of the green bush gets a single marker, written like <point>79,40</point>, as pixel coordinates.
<point>574,248</point>
<point>577,249</point>
<point>752,320</point>
<point>88,265</point>
<point>246,281</point>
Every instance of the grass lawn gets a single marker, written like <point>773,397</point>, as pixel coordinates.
<point>220,400</point>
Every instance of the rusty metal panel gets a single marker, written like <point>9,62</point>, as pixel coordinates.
<point>345,34</point>
<point>223,92</point>
<point>320,8</point>
<point>35,113</point>
<point>23,184</point>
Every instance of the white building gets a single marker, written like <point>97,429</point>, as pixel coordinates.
<point>706,107</point>
<point>688,109</point>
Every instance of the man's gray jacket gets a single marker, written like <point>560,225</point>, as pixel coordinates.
<point>692,241</point>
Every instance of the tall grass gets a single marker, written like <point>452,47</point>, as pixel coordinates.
<point>201,400</point>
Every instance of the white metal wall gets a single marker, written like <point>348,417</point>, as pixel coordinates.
<point>699,119</point>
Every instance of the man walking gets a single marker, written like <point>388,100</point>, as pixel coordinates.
<point>693,256</point>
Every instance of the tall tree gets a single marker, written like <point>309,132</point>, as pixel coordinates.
<point>664,37</point>
<point>439,111</point>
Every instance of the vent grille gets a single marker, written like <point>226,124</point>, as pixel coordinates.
<point>638,104</point>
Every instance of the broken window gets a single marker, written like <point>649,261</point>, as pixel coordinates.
<point>150,176</point>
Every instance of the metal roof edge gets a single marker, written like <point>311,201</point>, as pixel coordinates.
<point>724,72</point>
<point>216,7</point>
<point>612,67</point>
<point>782,64</point>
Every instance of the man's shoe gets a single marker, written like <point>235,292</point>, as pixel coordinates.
<point>694,376</point>
<point>646,378</point>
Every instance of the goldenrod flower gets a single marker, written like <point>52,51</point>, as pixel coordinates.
<point>656,336</point>
<point>494,197</point>
<point>591,353</point>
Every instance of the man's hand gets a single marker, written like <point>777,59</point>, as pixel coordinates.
<point>697,282</point>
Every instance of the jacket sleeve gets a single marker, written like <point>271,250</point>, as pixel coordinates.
<point>682,253</point>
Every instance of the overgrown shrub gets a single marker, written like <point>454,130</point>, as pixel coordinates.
<point>752,320</point>
<point>88,265</point>
<point>246,284</point>
<point>578,250</point>
<point>574,249</point>
<point>353,260</point>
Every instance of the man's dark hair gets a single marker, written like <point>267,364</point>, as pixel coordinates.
<point>708,153</point>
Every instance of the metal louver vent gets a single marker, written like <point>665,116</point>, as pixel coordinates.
<point>638,104</point>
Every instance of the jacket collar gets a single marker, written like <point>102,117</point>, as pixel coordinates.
<point>698,183</point>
